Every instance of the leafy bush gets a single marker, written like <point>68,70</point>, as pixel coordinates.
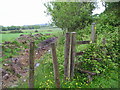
<point>36,30</point>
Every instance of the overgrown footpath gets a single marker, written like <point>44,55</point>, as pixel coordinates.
<point>99,58</point>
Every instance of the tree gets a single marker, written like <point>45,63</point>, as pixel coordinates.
<point>12,28</point>
<point>111,15</point>
<point>4,28</point>
<point>70,15</point>
<point>18,27</point>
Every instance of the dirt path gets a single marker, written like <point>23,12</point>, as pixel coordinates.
<point>18,68</point>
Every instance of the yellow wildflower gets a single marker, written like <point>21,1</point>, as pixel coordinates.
<point>76,83</point>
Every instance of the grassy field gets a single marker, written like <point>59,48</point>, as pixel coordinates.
<point>7,36</point>
<point>42,30</point>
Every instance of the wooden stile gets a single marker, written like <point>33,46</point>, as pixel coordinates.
<point>55,66</point>
<point>31,65</point>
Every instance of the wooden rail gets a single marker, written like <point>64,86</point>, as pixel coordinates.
<point>83,42</point>
<point>80,53</point>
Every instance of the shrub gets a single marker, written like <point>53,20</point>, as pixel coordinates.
<point>36,30</point>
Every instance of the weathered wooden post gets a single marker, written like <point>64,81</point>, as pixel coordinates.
<point>1,77</point>
<point>93,33</point>
<point>1,85</point>
<point>31,65</point>
<point>55,66</point>
<point>72,58</point>
<point>67,54</point>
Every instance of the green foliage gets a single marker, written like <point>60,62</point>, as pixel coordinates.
<point>70,15</point>
<point>111,14</point>
<point>4,28</point>
<point>114,8</point>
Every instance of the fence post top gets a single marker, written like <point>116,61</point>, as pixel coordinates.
<point>52,43</point>
<point>73,32</point>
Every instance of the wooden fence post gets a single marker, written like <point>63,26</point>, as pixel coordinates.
<point>1,85</point>
<point>55,66</point>
<point>31,65</point>
<point>1,64</point>
<point>72,59</point>
<point>93,33</point>
<point>67,54</point>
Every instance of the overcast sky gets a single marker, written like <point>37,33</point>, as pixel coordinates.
<point>25,12</point>
<point>22,12</point>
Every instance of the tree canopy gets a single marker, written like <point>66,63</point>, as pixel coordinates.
<point>70,15</point>
<point>111,15</point>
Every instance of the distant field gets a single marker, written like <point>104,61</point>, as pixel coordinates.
<point>43,30</point>
<point>9,37</point>
<point>12,36</point>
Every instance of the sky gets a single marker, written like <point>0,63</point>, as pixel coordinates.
<point>22,12</point>
<point>25,12</point>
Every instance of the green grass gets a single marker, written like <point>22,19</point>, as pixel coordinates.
<point>44,76</point>
<point>12,36</point>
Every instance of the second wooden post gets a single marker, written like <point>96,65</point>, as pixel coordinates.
<point>72,58</point>
<point>31,65</point>
<point>66,60</point>
<point>55,66</point>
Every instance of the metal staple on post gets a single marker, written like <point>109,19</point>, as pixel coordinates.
<point>31,65</point>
